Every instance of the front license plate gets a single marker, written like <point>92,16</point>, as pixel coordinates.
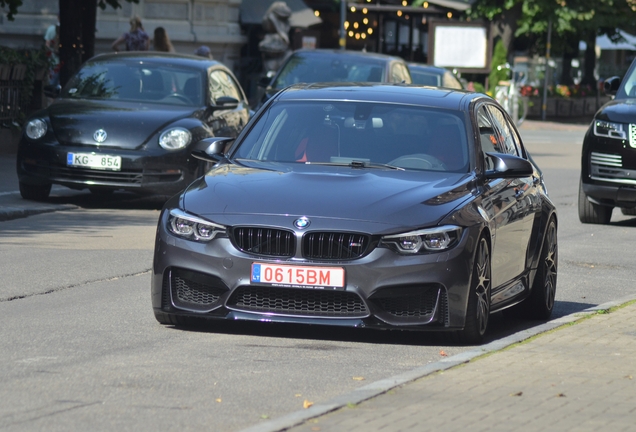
<point>95,161</point>
<point>298,276</point>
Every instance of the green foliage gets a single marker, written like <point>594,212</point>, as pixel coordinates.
<point>13,7</point>
<point>37,64</point>
<point>15,4</point>
<point>479,87</point>
<point>498,71</point>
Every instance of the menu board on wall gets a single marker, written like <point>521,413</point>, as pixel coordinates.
<point>464,46</point>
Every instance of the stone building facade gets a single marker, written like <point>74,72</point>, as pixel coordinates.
<point>189,24</point>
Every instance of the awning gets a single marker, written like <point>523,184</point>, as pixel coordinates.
<point>628,43</point>
<point>252,12</point>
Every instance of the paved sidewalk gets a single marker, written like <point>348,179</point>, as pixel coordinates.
<point>580,376</point>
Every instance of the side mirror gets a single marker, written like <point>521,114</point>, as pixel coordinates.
<point>266,79</point>
<point>52,91</point>
<point>610,86</point>
<point>225,102</point>
<point>211,149</point>
<point>508,166</point>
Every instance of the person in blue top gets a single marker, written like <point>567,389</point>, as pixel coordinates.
<point>136,39</point>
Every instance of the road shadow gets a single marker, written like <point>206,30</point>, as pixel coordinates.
<point>111,201</point>
<point>501,325</point>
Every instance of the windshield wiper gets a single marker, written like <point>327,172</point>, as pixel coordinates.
<point>357,164</point>
<point>361,164</point>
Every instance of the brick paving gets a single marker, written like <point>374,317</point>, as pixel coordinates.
<point>579,377</point>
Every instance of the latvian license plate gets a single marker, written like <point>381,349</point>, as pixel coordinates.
<point>95,161</point>
<point>293,276</point>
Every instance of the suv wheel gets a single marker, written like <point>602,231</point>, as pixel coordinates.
<point>591,213</point>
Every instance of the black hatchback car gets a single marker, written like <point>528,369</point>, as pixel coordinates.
<point>364,205</point>
<point>130,121</point>
<point>608,162</point>
<point>325,65</point>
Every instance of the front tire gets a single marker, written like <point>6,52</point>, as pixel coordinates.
<point>478,310</point>
<point>35,192</point>
<point>541,301</point>
<point>591,213</point>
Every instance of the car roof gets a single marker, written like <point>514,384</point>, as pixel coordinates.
<point>349,53</point>
<point>186,60</point>
<point>411,94</point>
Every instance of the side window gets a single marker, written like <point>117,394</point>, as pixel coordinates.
<point>222,84</point>
<point>400,73</point>
<point>507,138</point>
<point>451,81</point>
<point>487,136</point>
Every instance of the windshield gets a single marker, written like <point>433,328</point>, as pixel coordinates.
<point>136,81</point>
<point>426,78</point>
<point>330,68</point>
<point>359,133</point>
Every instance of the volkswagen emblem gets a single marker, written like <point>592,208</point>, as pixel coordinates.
<point>301,223</point>
<point>100,135</point>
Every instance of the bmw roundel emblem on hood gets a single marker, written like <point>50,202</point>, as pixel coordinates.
<point>100,135</point>
<point>302,223</point>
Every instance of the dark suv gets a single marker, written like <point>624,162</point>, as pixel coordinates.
<point>608,163</point>
<point>326,65</point>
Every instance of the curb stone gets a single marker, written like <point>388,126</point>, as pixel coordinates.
<point>380,387</point>
<point>10,213</point>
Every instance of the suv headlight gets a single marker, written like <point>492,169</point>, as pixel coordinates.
<point>424,241</point>
<point>175,138</point>
<point>35,129</point>
<point>609,129</point>
<point>191,227</point>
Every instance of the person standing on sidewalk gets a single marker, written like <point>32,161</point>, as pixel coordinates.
<point>161,41</point>
<point>136,39</point>
<point>52,44</point>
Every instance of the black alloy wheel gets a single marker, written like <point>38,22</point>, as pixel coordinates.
<point>541,301</point>
<point>35,192</point>
<point>478,311</point>
<point>591,213</point>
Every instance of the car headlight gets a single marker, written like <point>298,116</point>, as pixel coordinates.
<point>425,240</point>
<point>191,227</point>
<point>609,129</point>
<point>35,129</point>
<point>175,139</point>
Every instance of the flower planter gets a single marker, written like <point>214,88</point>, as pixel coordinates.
<point>18,72</point>
<point>5,72</point>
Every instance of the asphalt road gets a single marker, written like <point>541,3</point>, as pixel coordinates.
<point>80,349</point>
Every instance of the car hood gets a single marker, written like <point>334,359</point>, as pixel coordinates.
<point>618,110</point>
<point>127,124</point>
<point>371,200</point>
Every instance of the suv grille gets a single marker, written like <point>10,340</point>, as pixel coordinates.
<point>291,301</point>
<point>609,167</point>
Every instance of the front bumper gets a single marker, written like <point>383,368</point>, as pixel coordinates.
<point>383,289</point>
<point>143,171</point>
